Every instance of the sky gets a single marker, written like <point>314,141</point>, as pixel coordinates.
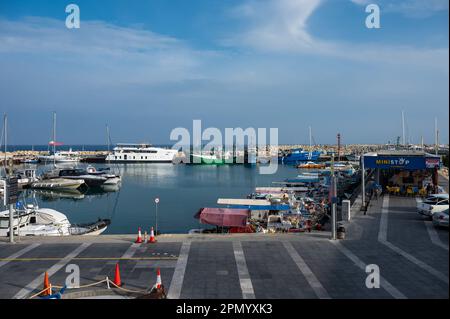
<point>147,67</point>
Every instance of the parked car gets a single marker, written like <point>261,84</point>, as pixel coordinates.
<point>433,204</point>
<point>440,219</point>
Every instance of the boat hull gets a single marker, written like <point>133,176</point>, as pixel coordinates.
<point>58,184</point>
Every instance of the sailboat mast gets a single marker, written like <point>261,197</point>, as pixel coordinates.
<point>54,139</point>
<point>310,139</point>
<point>436,147</point>
<point>5,125</point>
<point>107,137</point>
<point>403,128</point>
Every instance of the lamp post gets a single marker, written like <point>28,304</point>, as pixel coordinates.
<point>363,184</point>
<point>156,215</point>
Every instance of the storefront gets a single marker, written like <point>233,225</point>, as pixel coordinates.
<point>404,171</point>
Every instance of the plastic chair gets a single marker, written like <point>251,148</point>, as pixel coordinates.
<point>423,192</point>
<point>389,189</point>
<point>396,190</point>
<point>409,191</point>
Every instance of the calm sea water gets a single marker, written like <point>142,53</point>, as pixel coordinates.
<point>182,189</point>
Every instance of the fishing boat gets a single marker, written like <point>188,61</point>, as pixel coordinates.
<point>34,221</point>
<point>298,155</point>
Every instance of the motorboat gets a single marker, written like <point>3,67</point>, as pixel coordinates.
<point>34,221</point>
<point>75,174</point>
<point>111,179</point>
<point>58,183</point>
<point>33,160</point>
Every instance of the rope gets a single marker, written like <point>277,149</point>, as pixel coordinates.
<point>127,290</point>
<point>107,280</point>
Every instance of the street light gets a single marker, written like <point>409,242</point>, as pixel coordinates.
<point>156,215</point>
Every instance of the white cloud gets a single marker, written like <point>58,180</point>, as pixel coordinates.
<point>281,26</point>
<point>129,54</point>
<point>276,25</point>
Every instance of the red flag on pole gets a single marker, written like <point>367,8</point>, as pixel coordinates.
<point>55,143</point>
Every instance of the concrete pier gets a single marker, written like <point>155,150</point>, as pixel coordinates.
<point>412,258</point>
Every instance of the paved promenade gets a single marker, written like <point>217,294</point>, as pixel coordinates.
<point>411,254</point>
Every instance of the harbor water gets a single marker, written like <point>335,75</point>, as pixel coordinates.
<point>182,190</point>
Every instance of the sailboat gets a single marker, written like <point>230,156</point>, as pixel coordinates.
<point>60,156</point>
<point>112,178</point>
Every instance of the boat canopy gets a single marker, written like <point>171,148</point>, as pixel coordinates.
<point>240,201</point>
<point>275,190</point>
<point>261,207</point>
<point>223,217</point>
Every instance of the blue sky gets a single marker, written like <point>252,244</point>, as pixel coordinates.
<point>146,67</point>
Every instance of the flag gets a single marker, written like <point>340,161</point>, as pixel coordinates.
<point>54,143</point>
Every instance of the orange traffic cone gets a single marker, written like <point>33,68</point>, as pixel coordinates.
<point>117,280</point>
<point>139,237</point>
<point>158,279</point>
<point>47,289</point>
<point>152,239</point>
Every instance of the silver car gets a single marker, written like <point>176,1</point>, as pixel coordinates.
<point>440,219</point>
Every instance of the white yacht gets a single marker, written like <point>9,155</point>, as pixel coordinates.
<point>141,153</point>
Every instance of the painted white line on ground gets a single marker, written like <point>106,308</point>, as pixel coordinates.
<point>51,271</point>
<point>434,237</point>
<point>19,253</point>
<point>382,238</point>
<point>131,250</point>
<point>394,292</point>
<point>178,275</point>
<point>244,276</point>
<point>306,271</point>
<point>382,232</point>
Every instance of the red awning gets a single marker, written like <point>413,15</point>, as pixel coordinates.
<point>227,217</point>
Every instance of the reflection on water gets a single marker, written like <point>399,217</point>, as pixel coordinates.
<point>182,190</point>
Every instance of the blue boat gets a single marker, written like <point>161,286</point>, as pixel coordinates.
<point>299,155</point>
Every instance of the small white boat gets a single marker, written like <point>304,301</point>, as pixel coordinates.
<point>61,157</point>
<point>111,179</point>
<point>57,183</point>
<point>35,221</point>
